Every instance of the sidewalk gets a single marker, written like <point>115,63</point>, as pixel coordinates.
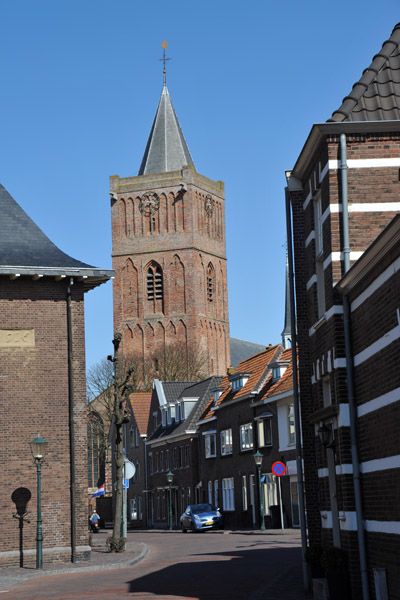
<point>100,560</point>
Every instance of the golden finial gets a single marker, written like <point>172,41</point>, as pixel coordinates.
<point>164,46</point>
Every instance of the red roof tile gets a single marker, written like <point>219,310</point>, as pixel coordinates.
<point>140,404</point>
<point>257,367</point>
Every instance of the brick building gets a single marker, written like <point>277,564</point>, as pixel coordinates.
<point>135,444</point>
<point>168,236</point>
<point>42,387</point>
<point>251,410</point>
<point>344,194</point>
<point>173,445</point>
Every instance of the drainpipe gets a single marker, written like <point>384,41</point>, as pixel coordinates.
<point>296,405</point>
<point>71,421</point>
<point>349,370</point>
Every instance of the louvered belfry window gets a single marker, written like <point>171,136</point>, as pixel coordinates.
<point>210,283</point>
<point>154,283</point>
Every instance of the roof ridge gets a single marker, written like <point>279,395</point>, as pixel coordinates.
<point>368,77</point>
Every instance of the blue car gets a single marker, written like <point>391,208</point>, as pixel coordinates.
<point>198,517</point>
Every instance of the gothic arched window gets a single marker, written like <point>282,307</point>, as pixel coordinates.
<point>155,287</point>
<point>210,283</point>
<point>154,282</point>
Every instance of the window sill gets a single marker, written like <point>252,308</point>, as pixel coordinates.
<point>320,322</point>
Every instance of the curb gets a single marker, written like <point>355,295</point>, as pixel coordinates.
<point>12,580</point>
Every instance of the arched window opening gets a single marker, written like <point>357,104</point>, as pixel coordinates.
<point>154,283</point>
<point>96,451</point>
<point>210,283</point>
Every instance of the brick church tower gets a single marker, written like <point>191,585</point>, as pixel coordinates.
<point>168,239</point>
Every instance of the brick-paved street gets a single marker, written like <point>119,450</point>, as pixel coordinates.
<point>209,566</point>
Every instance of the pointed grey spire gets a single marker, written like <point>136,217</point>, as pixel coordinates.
<point>166,148</point>
<point>287,329</point>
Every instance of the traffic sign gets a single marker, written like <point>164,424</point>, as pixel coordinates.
<point>278,468</point>
<point>129,469</point>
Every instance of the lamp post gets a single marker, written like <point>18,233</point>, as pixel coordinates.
<point>170,477</point>
<point>258,457</point>
<point>38,447</point>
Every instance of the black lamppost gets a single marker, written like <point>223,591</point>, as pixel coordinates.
<point>38,447</point>
<point>326,438</point>
<point>258,457</point>
<point>170,477</point>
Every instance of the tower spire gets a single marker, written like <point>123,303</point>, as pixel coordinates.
<point>166,148</point>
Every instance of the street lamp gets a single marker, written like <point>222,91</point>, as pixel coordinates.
<point>258,457</point>
<point>325,436</point>
<point>170,477</point>
<point>38,448</point>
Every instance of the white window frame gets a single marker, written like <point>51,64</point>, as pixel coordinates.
<point>246,437</point>
<point>244,493</point>
<point>228,494</point>
<point>210,492</point>
<point>216,492</point>
<point>133,509</point>
<point>226,442</point>
<point>262,424</point>
<point>326,391</point>
<point>290,425</point>
<point>210,445</point>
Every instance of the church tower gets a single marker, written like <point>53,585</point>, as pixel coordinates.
<point>168,239</point>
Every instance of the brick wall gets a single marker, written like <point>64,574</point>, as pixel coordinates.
<point>34,399</point>
<point>185,238</point>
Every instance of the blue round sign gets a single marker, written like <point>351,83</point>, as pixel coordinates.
<point>278,469</point>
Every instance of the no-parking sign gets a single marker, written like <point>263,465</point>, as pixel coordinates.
<point>278,468</point>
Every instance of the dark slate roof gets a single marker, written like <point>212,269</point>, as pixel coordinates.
<point>166,148</point>
<point>201,390</point>
<point>26,250</point>
<point>240,350</point>
<point>173,389</point>
<point>376,96</point>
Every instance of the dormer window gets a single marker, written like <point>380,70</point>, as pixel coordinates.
<point>238,380</point>
<point>278,368</point>
<point>216,394</point>
<point>237,384</point>
<point>171,413</point>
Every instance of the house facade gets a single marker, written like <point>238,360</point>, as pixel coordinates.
<point>173,447</point>
<point>251,411</point>
<point>42,350</point>
<point>343,193</point>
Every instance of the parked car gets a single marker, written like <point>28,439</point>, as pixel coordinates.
<point>201,516</point>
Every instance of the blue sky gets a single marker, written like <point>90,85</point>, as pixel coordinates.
<point>81,82</point>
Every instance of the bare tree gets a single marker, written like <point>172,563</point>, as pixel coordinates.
<point>111,380</point>
<point>122,386</point>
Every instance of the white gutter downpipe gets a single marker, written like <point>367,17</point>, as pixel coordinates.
<point>349,370</point>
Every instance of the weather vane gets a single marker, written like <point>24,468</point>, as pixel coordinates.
<point>164,45</point>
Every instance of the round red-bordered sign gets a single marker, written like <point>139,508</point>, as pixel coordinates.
<point>278,468</point>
